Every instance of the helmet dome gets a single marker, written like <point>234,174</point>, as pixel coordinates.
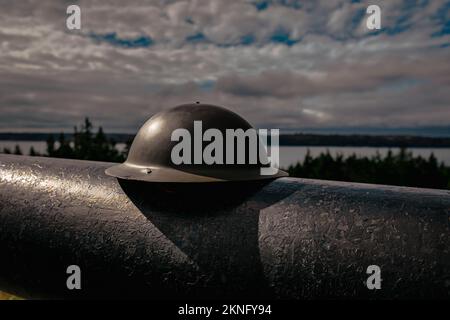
<point>151,153</point>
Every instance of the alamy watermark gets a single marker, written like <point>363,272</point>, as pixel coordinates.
<point>374,280</point>
<point>73,21</point>
<point>227,149</point>
<point>74,279</point>
<point>373,22</point>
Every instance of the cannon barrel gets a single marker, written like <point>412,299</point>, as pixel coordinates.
<point>288,239</point>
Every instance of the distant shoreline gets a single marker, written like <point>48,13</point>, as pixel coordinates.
<point>358,140</point>
<point>297,139</point>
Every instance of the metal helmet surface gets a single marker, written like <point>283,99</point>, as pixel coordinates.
<point>150,159</point>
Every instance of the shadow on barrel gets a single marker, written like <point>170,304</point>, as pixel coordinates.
<point>214,224</point>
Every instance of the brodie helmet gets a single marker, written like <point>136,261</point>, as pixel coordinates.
<point>150,158</point>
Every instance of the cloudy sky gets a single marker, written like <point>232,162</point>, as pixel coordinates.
<point>280,63</point>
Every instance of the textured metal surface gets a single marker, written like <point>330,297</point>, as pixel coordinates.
<point>291,238</point>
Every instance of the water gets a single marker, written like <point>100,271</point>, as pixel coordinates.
<point>288,154</point>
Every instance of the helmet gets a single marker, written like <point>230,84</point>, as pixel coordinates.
<point>150,157</point>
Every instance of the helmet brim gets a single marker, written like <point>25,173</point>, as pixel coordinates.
<point>170,175</point>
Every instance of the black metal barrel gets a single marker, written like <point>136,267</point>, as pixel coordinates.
<point>290,238</point>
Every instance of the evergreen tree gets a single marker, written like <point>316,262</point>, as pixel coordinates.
<point>85,145</point>
<point>51,146</point>
<point>32,152</point>
<point>17,150</point>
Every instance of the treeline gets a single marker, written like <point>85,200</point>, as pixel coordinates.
<point>402,169</point>
<point>83,144</point>
<point>39,136</point>
<point>300,139</point>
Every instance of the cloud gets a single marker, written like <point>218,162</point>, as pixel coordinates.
<point>288,64</point>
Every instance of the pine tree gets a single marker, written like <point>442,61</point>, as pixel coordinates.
<point>17,150</point>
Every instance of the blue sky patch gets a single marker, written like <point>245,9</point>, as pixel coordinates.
<point>261,5</point>
<point>442,17</point>
<point>113,39</point>
<point>284,37</point>
<point>198,37</point>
